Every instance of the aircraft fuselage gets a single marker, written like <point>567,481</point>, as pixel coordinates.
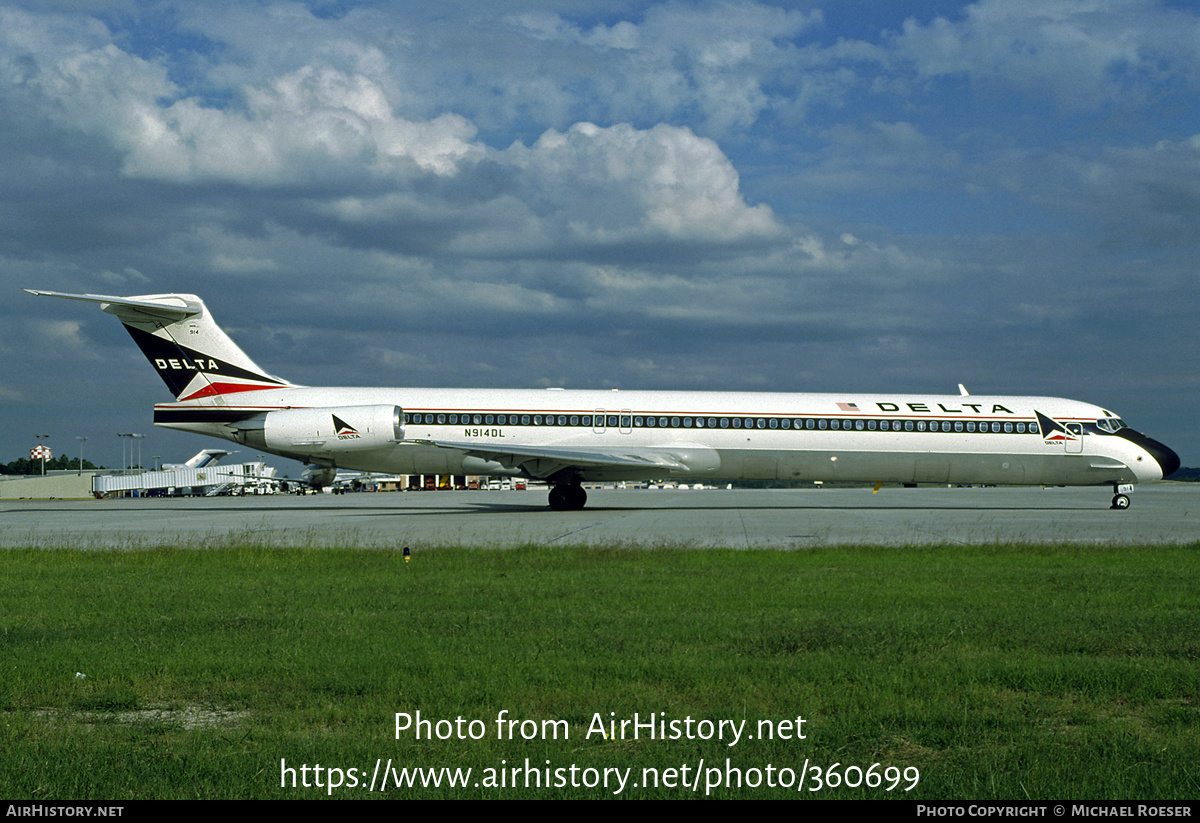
<point>760,436</point>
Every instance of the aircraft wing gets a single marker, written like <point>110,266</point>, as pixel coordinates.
<point>569,456</point>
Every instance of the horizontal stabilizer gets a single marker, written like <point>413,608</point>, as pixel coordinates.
<point>172,308</point>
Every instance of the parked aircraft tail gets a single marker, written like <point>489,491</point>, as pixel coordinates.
<point>179,337</point>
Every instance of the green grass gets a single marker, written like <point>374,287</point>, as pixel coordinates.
<point>1004,672</point>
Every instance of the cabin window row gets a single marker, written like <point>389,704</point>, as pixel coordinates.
<point>685,422</point>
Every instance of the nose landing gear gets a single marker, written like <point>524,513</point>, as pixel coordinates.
<point>1121,496</point>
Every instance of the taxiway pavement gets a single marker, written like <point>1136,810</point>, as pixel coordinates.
<point>1162,514</point>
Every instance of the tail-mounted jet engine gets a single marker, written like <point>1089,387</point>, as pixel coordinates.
<point>325,430</point>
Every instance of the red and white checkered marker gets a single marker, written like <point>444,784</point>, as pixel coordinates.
<point>40,452</point>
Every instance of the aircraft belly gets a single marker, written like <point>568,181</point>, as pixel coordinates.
<point>931,470</point>
<point>750,464</point>
<point>1084,470</point>
<point>924,467</point>
<point>413,459</point>
<point>694,459</point>
<point>760,466</point>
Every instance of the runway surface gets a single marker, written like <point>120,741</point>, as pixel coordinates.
<point>1162,514</point>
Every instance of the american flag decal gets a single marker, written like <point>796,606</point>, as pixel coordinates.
<point>847,407</point>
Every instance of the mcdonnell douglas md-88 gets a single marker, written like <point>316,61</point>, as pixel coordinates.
<point>566,437</point>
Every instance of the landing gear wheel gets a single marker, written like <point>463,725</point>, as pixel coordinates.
<point>558,498</point>
<point>567,497</point>
<point>1120,501</point>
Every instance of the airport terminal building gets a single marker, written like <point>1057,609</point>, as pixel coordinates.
<point>200,476</point>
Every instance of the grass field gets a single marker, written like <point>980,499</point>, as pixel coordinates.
<point>1003,672</point>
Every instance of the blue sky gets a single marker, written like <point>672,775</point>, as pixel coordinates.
<point>841,196</point>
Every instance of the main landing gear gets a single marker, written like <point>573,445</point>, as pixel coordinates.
<point>1121,496</point>
<point>567,497</point>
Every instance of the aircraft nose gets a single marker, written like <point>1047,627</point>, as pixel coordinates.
<point>1167,459</point>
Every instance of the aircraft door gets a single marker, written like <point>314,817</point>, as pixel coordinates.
<point>1074,444</point>
<point>598,421</point>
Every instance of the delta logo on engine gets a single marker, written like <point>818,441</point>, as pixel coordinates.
<point>344,430</point>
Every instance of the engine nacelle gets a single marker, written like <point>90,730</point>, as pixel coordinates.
<point>318,477</point>
<point>324,430</point>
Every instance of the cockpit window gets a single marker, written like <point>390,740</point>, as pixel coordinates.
<point>1110,424</point>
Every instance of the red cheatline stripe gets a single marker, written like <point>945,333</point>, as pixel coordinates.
<point>228,388</point>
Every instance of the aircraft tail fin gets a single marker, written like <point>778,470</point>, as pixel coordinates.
<point>179,337</point>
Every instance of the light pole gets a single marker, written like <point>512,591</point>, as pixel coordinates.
<point>139,438</point>
<point>42,451</point>
<point>81,440</point>
<point>123,435</point>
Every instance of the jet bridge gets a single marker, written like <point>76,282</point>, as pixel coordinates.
<point>202,475</point>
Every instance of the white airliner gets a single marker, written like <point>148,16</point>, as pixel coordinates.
<point>568,437</point>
